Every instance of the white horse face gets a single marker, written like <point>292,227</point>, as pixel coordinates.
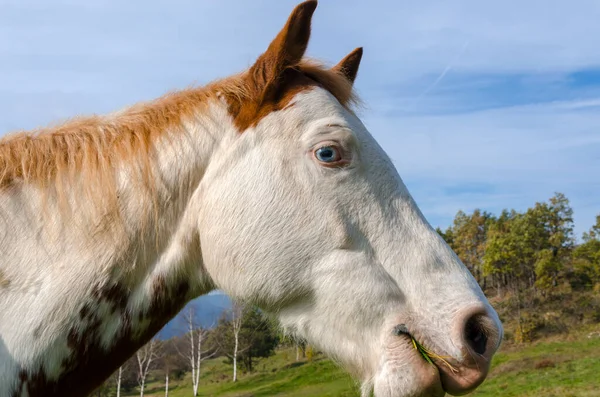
<point>304,215</point>
<point>307,217</point>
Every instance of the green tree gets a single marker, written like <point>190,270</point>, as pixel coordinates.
<point>506,258</point>
<point>532,248</point>
<point>257,337</point>
<point>594,233</point>
<point>555,222</point>
<point>446,235</point>
<point>260,337</point>
<point>469,235</point>
<point>586,259</point>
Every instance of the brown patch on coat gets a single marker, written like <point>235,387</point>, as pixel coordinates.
<point>249,110</point>
<point>90,363</point>
<point>4,280</point>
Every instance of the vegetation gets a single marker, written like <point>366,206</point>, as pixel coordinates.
<point>257,339</point>
<point>565,367</point>
<point>544,284</point>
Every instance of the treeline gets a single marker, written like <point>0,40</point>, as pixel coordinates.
<point>534,250</point>
<point>543,280</point>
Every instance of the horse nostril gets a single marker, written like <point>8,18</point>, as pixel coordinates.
<point>475,335</point>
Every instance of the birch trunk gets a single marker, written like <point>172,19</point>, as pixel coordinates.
<point>194,355</point>
<point>119,377</point>
<point>235,349</point>
<point>145,356</point>
<point>237,313</point>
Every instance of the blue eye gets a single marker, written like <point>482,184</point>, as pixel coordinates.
<point>328,154</point>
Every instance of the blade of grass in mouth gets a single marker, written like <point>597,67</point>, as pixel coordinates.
<point>427,355</point>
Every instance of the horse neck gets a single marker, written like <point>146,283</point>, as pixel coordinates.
<point>113,290</point>
<point>165,240</point>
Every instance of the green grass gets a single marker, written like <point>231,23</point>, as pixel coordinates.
<point>279,375</point>
<point>549,368</point>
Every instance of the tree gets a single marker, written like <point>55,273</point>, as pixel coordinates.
<point>119,378</point>
<point>468,238</point>
<point>586,259</point>
<point>244,336</point>
<point>226,336</point>
<point>145,357</point>
<point>556,224</point>
<point>594,233</point>
<point>446,235</point>
<point>257,337</point>
<point>532,248</point>
<point>237,319</point>
<point>167,364</point>
<point>502,250</point>
<point>194,354</point>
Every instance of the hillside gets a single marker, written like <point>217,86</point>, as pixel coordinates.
<point>563,366</point>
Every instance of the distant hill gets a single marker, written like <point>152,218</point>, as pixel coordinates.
<point>208,309</point>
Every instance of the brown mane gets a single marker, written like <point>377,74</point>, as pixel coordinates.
<point>91,147</point>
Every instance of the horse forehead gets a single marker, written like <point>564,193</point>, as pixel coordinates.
<point>315,103</point>
<point>308,111</point>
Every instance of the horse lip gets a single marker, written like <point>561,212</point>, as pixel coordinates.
<point>434,390</point>
<point>456,378</point>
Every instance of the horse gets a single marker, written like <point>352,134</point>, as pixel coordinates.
<point>265,185</point>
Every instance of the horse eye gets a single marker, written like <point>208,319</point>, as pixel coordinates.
<point>328,154</point>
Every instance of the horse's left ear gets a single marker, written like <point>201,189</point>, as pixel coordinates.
<point>349,65</point>
<point>288,47</point>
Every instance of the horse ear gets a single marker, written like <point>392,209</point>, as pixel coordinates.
<point>349,65</point>
<point>288,47</point>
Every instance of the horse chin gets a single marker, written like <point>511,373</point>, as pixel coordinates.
<point>405,373</point>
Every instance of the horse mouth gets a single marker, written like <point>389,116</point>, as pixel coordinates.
<point>450,373</point>
<point>454,378</point>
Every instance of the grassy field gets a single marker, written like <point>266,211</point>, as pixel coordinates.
<point>569,366</point>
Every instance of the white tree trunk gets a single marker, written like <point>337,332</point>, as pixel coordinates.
<point>119,377</point>
<point>192,354</point>
<point>235,348</point>
<point>167,385</point>
<point>237,312</point>
<point>196,376</point>
<point>195,355</point>
<point>145,356</point>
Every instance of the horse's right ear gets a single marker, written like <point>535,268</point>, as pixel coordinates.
<point>288,47</point>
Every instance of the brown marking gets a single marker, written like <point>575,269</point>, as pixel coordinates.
<point>90,364</point>
<point>280,73</point>
<point>85,312</point>
<point>4,280</point>
<point>116,295</point>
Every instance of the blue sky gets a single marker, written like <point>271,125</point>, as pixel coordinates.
<point>479,104</point>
